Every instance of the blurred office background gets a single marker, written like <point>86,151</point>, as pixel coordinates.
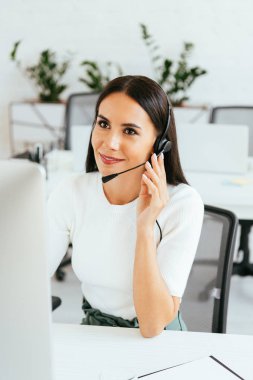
<point>222,32</point>
<point>102,31</point>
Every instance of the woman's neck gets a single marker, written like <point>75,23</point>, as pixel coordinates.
<point>124,188</point>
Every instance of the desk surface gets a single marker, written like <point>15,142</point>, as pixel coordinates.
<point>232,192</point>
<point>84,352</point>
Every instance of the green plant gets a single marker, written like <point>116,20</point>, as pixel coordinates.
<point>175,78</point>
<point>46,74</point>
<point>95,77</point>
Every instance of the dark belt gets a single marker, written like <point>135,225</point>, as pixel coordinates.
<point>97,318</point>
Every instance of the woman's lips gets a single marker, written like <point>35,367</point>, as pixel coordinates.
<point>109,160</point>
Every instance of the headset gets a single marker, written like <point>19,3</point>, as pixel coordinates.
<point>161,145</point>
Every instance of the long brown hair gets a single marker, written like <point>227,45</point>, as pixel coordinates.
<point>151,97</point>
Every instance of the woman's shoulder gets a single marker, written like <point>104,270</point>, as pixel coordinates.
<point>77,180</point>
<point>78,183</point>
<point>184,192</point>
<point>71,194</point>
<point>184,206</point>
<point>184,201</point>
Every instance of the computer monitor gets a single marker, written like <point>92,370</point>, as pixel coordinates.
<point>213,148</point>
<point>25,318</point>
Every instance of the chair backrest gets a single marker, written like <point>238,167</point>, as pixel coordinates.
<point>80,110</point>
<point>234,115</point>
<point>205,301</point>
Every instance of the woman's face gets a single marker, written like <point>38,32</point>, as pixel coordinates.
<point>123,136</point>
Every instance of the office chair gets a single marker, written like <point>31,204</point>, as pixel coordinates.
<point>239,115</point>
<point>80,110</point>
<point>56,302</point>
<point>205,301</point>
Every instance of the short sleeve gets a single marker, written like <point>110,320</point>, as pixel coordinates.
<point>182,223</point>
<point>60,223</point>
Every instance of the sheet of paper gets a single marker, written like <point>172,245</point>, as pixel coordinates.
<point>205,368</point>
<point>238,181</point>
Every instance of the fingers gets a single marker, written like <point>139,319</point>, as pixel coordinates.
<point>157,177</point>
<point>155,164</point>
<point>151,186</point>
<point>161,164</point>
<point>152,174</point>
<point>144,188</point>
<point>157,172</point>
<point>158,165</point>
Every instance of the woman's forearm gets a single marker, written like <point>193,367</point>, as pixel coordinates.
<point>153,304</point>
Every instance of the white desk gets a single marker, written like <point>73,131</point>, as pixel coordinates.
<point>219,190</point>
<point>84,352</point>
<point>222,190</point>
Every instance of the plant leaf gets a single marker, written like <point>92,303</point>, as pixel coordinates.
<point>13,53</point>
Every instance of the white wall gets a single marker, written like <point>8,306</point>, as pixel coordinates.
<point>222,31</point>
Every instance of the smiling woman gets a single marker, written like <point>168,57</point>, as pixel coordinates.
<point>135,235</point>
<point>123,137</point>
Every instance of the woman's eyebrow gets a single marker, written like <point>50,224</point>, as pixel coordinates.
<point>130,125</point>
<point>123,125</point>
<point>103,117</point>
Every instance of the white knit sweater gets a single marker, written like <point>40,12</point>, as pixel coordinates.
<point>104,235</point>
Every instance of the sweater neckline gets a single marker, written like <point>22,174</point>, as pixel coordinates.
<point>102,196</point>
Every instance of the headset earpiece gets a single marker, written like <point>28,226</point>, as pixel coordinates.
<point>167,146</point>
<point>162,144</point>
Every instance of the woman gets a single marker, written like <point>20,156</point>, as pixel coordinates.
<point>134,237</point>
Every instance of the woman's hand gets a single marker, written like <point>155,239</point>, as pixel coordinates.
<point>153,193</point>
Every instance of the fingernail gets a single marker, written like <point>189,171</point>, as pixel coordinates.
<point>155,156</point>
<point>162,156</point>
<point>148,163</point>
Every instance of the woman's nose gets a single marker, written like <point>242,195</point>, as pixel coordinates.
<point>113,141</point>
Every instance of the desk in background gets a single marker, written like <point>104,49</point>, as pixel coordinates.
<point>235,193</point>
<point>211,155</point>
<point>231,191</point>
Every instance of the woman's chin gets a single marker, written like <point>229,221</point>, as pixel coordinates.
<point>110,170</point>
<point>105,169</point>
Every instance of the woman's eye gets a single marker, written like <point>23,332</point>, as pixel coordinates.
<point>102,123</point>
<point>130,131</point>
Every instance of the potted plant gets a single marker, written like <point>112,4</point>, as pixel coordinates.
<point>175,77</point>
<point>95,77</point>
<point>46,74</point>
<point>46,112</point>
